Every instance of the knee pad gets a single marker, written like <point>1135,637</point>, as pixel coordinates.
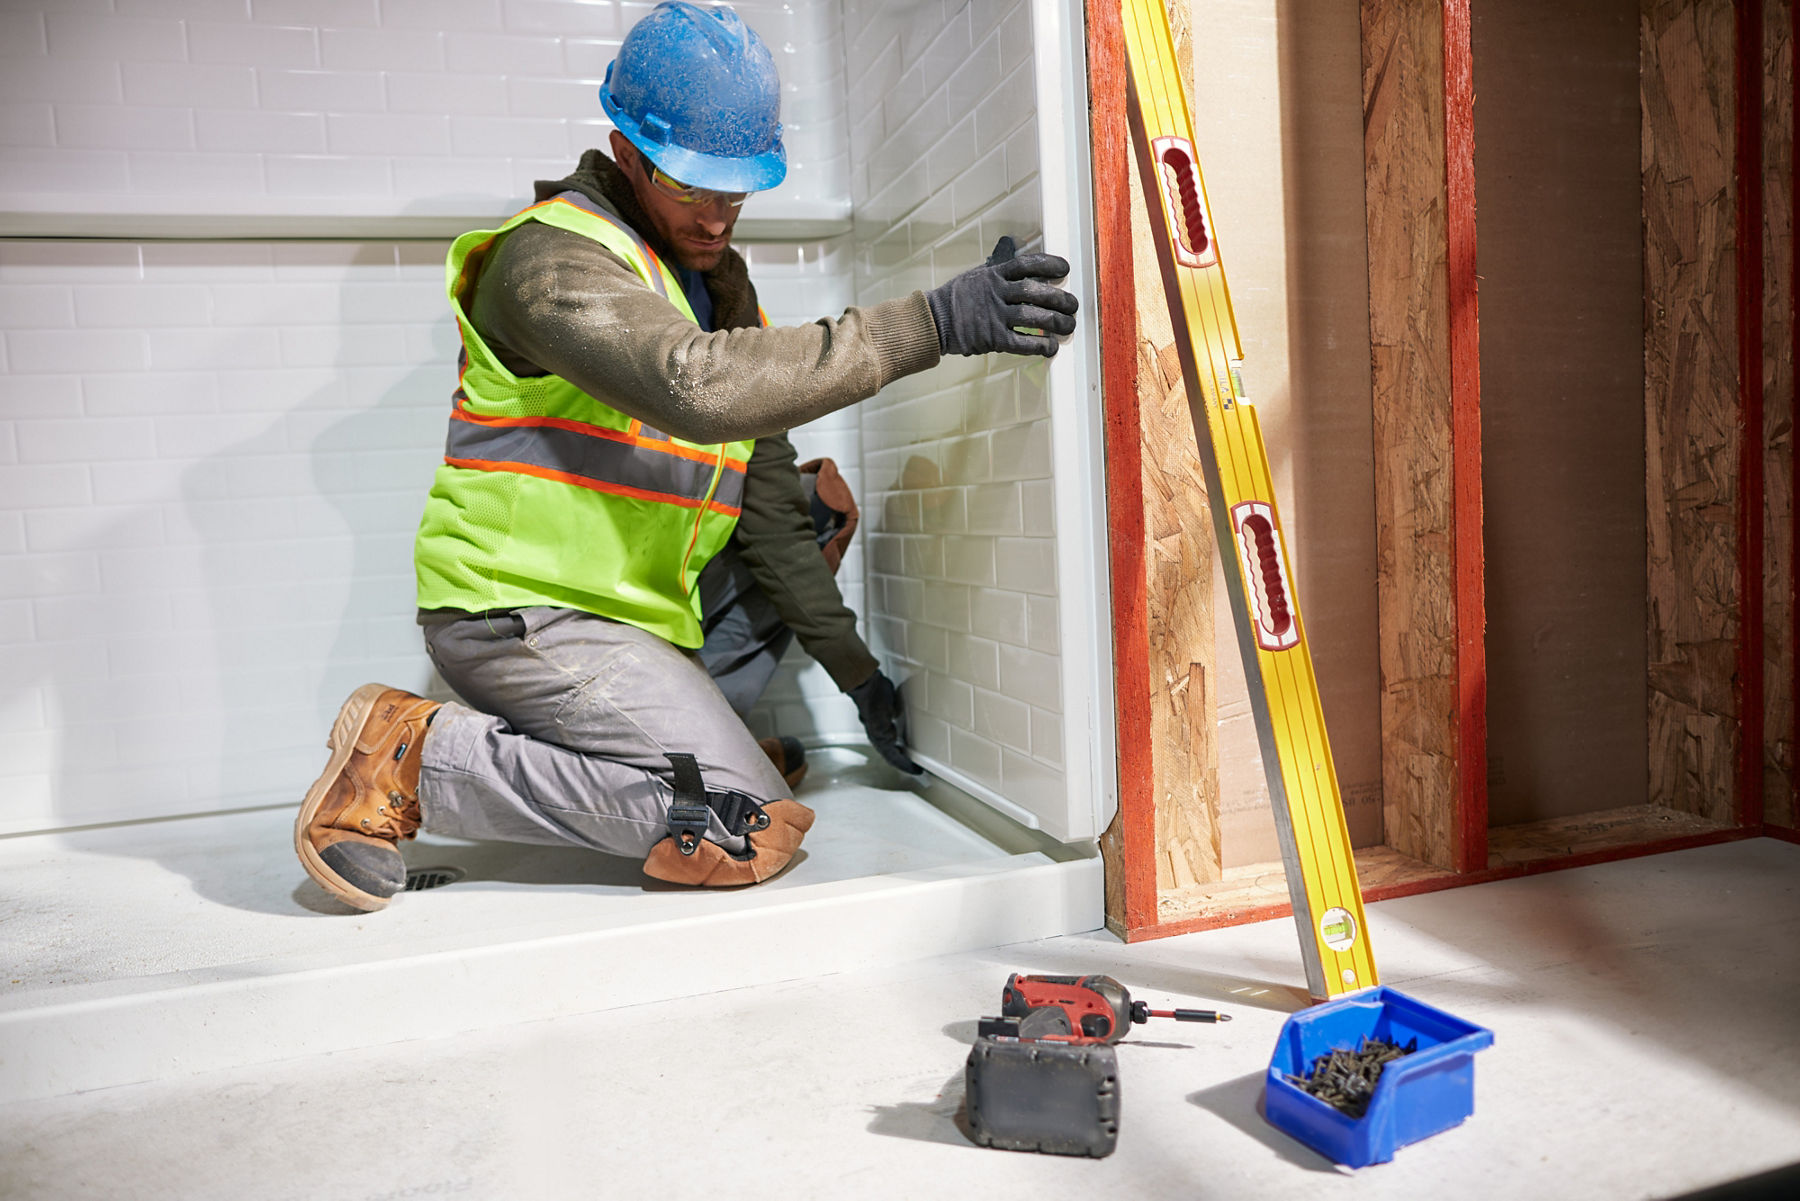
<point>710,865</point>
<point>771,834</point>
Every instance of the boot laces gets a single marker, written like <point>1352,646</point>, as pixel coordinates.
<point>398,818</point>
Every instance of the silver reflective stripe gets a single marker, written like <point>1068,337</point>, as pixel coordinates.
<point>598,461</point>
<point>650,258</point>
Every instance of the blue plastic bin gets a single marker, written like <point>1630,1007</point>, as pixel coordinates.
<point>1417,1096</point>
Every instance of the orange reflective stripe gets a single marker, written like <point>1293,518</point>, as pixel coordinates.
<point>582,481</point>
<point>642,442</point>
<point>659,274</point>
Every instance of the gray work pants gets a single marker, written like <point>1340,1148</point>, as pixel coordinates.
<point>572,715</point>
<point>745,636</point>
<point>571,718</point>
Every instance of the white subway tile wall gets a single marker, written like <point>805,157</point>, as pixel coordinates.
<point>213,455</point>
<point>214,477</point>
<point>212,460</point>
<point>383,105</point>
<point>956,461</point>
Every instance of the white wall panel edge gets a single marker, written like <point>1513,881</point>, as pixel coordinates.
<point>1077,427</point>
<point>981,792</point>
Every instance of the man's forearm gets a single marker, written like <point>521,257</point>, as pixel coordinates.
<point>775,536</point>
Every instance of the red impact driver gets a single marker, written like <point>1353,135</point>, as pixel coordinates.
<point>1095,1007</point>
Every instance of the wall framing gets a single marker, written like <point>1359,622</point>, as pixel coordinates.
<point>1722,734</point>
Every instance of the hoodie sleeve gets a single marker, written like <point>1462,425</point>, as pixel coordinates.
<point>554,300</point>
<point>776,539</point>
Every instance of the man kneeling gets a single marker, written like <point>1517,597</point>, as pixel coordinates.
<point>618,528</point>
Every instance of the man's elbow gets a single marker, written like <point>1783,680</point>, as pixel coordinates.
<point>707,428</point>
<point>708,417</point>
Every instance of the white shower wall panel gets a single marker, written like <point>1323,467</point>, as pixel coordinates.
<point>213,457</point>
<point>372,107</point>
<point>958,463</point>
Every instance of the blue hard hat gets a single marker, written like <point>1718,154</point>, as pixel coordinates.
<point>695,90</point>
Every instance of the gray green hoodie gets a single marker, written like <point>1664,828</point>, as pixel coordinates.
<point>551,302</point>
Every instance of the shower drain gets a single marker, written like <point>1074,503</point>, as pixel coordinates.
<point>418,879</point>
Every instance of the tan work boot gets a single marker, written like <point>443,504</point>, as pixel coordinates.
<point>367,799</point>
<point>788,756</point>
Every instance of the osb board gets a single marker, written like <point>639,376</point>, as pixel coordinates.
<point>1562,378</point>
<point>1179,559</point>
<point>1403,81</point>
<point>1691,400</point>
<point>1179,564</point>
<point>1256,892</point>
<point>1778,412</point>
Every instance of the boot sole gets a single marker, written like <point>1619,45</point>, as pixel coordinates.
<point>344,732</point>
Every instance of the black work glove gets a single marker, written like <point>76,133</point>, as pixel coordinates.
<point>878,704</point>
<point>982,309</point>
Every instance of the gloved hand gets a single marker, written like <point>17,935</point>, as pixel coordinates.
<point>982,309</point>
<point>878,704</point>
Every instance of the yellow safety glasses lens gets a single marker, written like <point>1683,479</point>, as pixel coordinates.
<point>684,194</point>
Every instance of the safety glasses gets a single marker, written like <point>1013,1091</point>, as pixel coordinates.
<point>685,194</point>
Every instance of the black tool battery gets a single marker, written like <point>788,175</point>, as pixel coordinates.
<point>1058,1094</point>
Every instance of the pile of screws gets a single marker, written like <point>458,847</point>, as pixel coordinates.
<point>1346,1079</point>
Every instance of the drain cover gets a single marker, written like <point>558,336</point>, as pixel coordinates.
<point>418,879</point>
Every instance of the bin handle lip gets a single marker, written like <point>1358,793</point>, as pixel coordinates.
<point>1382,996</point>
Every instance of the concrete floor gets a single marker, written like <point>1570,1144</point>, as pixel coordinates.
<point>1644,1013</point>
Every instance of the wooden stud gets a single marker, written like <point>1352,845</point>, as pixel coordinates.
<point>1128,847</point>
<point>1471,846</point>
<point>1791,679</point>
<point>1418,146</point>
<point>1747,151</point>
<point>1167,834</point>
<point>1778,411</point>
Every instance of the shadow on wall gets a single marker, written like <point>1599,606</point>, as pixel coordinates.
<point>283,580</point>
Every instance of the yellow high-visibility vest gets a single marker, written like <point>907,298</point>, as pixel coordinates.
<point>547,496</point>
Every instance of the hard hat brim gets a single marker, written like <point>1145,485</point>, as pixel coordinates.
<point>752,173</point>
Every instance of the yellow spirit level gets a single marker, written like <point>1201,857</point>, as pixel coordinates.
<point>1284,695</point>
